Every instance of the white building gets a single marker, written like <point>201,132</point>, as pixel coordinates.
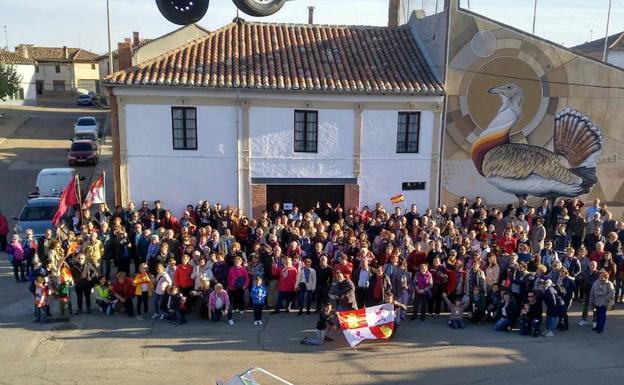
<point>595,49</point>
<point>255,113</point>
<point>25,68</point>
<point>62,69</point>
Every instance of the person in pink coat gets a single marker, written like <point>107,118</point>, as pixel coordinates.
<point>287,276</point>
<point>15,249</point>
<point>238,282</point>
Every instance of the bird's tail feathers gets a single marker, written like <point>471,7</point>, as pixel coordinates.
<point>589,177</point>
<point>577,139</point>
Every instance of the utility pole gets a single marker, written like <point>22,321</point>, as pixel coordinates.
<point>534,15</point>
<point>6,38</point>
<point>606,44</point>
<point>110,50</point>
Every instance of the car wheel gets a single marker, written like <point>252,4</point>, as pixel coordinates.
<point>259,8</point>
<point>183,12</point>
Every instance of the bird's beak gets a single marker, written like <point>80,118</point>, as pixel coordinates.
<point>494,91</point>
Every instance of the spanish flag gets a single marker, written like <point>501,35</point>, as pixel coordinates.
<point>397,199</point>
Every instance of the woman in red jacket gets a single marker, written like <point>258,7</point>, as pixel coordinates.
<point>286,284</point>
<point>182,276</point>
<point>508,243</point>
<point>123,290</point>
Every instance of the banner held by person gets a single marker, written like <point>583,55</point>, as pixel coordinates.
<point>96,193</point>
<point>372,323</point>
<point>69,198</point>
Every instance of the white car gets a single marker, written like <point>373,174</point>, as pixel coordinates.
<point>88,123</point>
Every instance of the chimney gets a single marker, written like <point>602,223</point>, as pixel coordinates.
<point>65,52</point>
<point>394,11</point>
<point>22,49</point>
<point>310,15</point>
<point>135,39</point>
<point>124,55</point>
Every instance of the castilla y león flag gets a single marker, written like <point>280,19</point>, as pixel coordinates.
<point>96,193</point>
<point>69,198</point>
<point>372,323</point>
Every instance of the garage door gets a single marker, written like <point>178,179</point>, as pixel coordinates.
<point>89,85</point>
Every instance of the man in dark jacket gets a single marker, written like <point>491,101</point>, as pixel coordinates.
<point>324,278</point>
<point>553,302</point>
<point>576,229</point>
<point>85,276</point>
<point>588,282</point>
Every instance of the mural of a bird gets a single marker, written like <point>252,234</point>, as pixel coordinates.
<point>524,169</point>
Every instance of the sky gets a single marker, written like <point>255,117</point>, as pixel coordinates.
<point>82,23</point>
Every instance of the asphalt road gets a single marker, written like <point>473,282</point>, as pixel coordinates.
<point>40,142</point>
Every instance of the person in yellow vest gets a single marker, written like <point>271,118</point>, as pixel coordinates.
<point>144,289</point>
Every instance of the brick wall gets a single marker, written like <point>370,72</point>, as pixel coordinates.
<point>258,199</point>
<point>352,196</point>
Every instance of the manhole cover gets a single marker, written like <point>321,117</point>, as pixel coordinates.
<point>68,327</point>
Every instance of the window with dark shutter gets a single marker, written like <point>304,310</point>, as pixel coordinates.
<point>184,127</point>
<point>57,68</point>
<point>408,132</point>
<point>306,131</point>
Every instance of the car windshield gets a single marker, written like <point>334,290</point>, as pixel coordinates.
<point>81,147</point>
<point>86,121</point>
<point>84,137</point>
<point>38,213</point>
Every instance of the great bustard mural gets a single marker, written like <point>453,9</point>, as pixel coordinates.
<point>523,169</point>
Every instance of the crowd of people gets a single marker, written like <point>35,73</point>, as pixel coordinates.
<point>516,267</point>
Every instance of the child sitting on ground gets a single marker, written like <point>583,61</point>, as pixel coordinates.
<point>456,318</point>
<point>493,302</point>
<point>104,296</point>
<point>325,322</point>
<point>477,306</point>
<point>176,306</point>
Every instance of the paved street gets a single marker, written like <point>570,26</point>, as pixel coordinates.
<point>40,140</point>
<point>114,350</point>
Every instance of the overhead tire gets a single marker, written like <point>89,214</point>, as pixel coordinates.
<point>259,8</point>
<point>183,12</point>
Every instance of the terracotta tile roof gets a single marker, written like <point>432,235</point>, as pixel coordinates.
<point>614,42</point>
<point>56,54</point>
<point>293,57</point>
<point>7,57</point>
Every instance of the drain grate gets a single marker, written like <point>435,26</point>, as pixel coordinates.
<point>68,327</point>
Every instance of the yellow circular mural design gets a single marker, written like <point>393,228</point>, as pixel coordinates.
<point>499,71</point>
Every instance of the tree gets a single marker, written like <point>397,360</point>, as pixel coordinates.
<point>9,81</point>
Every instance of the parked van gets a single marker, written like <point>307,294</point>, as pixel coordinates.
<point>52,181</point>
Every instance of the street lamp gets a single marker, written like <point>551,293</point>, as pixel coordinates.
<point>110,51</point>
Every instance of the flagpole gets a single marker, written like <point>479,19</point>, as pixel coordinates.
<point>104,187</point>
<point>79,199</point>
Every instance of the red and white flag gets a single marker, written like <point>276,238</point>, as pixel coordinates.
<point>371,323</point>
<point>69,198</point>
<point>96,193</point>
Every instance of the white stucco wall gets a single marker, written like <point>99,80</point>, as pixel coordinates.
<point>27,83</point>
<point>208,173</point>
<point>383,170</point>
<point>616,58</point>
<point>272,145</point>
